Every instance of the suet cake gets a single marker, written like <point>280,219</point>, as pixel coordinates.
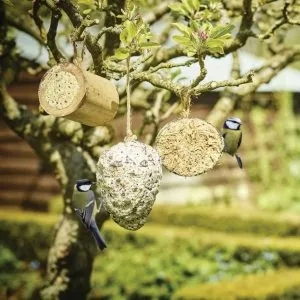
<point>189,146</point>
<point>128,177</point>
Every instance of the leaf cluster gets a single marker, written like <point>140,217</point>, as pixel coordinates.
<point>199,39</point>
<point>135,35</point>
<point>204,10</point>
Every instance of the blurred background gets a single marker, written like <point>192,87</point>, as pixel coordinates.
<point>207,229</point>
<point>229,234</point>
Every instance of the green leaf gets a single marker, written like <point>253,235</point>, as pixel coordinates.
<point>194,25</point>
<point>131,27</point>
<point>220,31</point>
<point>121,53</point>
<point>86,2</point>
<point>178,8</point>
<point>188,5</point>
<point>191,53</point>
<point>8,2</point>
<point>196,4</point>
<point>128,33</point>
<point>215,45</point>
<point>184,41</point>
<point>189,47</point>
<point>183,28</point>
<point>87,11</point>
<point>149,45</point>
<point>124,36</point>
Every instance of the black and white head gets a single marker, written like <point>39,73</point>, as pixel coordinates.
<point>83,185</point>
<point>232,123</point>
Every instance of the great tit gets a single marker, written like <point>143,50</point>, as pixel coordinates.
<point>232,135</point>
<point>83,202</point>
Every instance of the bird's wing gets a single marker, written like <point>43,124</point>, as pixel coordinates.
<point>240,140</point>
<point>86,213</point>
<point>225,148</point>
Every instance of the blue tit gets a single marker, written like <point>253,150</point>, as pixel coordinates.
<point>83,202</point>
<point>232,135</point>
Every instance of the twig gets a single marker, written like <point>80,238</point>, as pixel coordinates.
<point>157,13</point>
<point>169,65</point>
<point>36,5</point>
<point>114,29</point>
<point>55,16</point>
<point>202,74</point>
<point>212,85</point>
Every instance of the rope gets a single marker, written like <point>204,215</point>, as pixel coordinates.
<point>186,105</point>
<point>129,133</point>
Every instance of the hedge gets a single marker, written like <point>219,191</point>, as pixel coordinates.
<point>226,219</point>
<point>29,235</point>
<point>284,284</point>
<point>155,261</point>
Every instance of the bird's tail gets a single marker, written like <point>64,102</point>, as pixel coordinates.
<point>97,236</point>
<point>239,161</point>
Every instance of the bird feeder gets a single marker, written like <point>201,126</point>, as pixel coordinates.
<point>189,146</point>
<point>128,177</point>
<point>68,91</point>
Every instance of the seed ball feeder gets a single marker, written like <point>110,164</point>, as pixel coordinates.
<point>68,91</point>
<point>128,176</point>
<point>189,146</point>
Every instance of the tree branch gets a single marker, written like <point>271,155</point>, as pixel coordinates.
<point>157,12</point>
<point>55,16</point>
<point>261,75</point>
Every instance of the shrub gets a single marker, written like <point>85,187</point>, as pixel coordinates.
<point>227,219</point>
<point>284,284</point>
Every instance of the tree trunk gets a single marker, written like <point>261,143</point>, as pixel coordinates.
<point>73,250</point>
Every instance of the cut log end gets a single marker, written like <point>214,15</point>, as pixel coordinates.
<point>62,89</point>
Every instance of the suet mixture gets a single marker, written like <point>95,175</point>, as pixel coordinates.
<point>189,147</point>
<point>129,176</point>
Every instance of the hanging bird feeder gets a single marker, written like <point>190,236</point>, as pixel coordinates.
<point>68,91</point>
<point>128,176</point>
<point>189,146</point>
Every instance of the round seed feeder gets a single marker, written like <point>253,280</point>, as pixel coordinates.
<point>189,147</point>
<point>67,91</point>
<point>129,176</point>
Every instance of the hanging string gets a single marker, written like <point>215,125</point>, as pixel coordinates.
<point>186,105</point>
<point>128,127</point>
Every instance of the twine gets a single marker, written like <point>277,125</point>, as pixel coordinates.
<point>129,135</point>
<point>186,105</point>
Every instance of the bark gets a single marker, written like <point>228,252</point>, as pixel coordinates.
<point>73,251</point>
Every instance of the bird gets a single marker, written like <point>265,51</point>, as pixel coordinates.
<point>83,202</point>
<point>232,135</point>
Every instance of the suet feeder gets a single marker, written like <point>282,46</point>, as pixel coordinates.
<point>129,176</point>
<point>68,91</point>
<point>189,146</point>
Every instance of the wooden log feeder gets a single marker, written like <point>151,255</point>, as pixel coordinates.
<point>68,91</point>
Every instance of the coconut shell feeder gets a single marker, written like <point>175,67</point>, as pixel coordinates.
<point>68,91</point>
<point>189,146</point>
